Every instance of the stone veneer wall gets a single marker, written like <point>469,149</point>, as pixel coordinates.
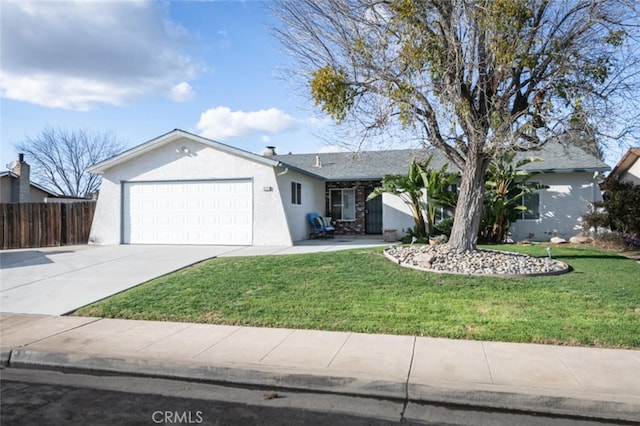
<point>362,188</point>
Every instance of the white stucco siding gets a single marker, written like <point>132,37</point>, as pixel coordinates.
<point>633,174</point>
<point>561,207</point>
<point>396,214</point>
<point>105,228</point>
<point>201,162</point>
<point>312,201</point>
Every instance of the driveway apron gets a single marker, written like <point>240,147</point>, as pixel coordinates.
<point>56,281</point>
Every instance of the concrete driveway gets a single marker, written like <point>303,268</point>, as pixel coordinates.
<point>59,280</point>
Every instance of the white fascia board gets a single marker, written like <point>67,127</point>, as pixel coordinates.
<point>172,136</point>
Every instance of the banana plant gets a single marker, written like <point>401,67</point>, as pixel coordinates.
<point>439,194</point>
<point>410,189</point>
<point>505,187</point>
<point>421,180</point>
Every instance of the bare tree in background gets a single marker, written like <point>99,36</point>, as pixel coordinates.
<point>59,158</point>
<point>472,78</point>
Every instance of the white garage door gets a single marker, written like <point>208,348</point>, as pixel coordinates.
<point>191,212</point>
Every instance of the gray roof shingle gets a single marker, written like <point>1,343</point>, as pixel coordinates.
<point>364,165</point>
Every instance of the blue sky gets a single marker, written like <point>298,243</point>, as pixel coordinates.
<point>140,69</point>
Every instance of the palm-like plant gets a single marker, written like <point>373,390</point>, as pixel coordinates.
<point>505,186</point>
<point>410,189</point>
<point>421,180</point>
<point>439,194</point>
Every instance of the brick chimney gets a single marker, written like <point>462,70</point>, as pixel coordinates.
<point>21,188</point>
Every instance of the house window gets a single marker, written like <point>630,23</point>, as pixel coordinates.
<point>296,193</point>
<point>532,203</point>
<point>443,213</point>
<point>343,204</point>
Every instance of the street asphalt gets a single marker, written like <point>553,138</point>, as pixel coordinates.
<point>577,383</point>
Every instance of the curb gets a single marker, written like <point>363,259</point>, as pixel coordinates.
<point>213,374</point>
<point>412,395</point>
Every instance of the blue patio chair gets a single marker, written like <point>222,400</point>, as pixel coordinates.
<point>320,227</point>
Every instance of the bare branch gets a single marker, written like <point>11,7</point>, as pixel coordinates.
<point>59,158</point>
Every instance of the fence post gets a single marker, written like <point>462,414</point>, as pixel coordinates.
<point>64,225</point>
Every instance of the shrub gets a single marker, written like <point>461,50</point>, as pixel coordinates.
<point>413,233</point>
<point>619,210</point>
<point>443,227</point>
<point>595,219</point>
<point>611,241</point>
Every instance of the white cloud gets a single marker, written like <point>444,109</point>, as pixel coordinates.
<point>80,54</point>
<point>181,92</point>
<point>319,123</point>
<point>221,123</point>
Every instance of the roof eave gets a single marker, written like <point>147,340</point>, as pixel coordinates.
<point>573,170</point>
<point>300,170</point>
<point>625,163</point>
<point>172,136</point>
<point>367,177</point>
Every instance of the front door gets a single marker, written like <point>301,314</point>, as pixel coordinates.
<point>373,215</point>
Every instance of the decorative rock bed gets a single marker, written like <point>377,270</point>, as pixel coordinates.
<point>443,258</point>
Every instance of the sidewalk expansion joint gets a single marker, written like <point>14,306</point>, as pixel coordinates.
<point>339,349</point>
<point>276,346</point>
<point>406,384</point>
<point>486,360</point>
<point>564,364</point>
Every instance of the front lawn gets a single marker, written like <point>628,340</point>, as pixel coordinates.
<point>598,303</point>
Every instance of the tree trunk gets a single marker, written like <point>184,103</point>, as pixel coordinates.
<point>466,224</point>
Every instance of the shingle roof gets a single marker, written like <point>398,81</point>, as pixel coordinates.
<point>626,162</point>
<point>558,158</point>
<point>12,175</point>
<point>360,165</point>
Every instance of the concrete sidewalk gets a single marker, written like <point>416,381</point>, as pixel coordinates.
<point>580,383</point>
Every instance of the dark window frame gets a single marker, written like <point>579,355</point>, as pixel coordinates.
<point>529,201</point>
<point>296,193</point>
<point>340,207</point>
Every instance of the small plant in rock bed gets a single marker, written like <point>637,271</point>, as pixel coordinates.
<point>438,239</point>
<point>443,227</point>
<point>414,237</point>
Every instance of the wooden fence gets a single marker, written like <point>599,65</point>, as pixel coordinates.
<point>30,225</point>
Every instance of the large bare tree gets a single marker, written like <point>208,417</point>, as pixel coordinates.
<point>59,158</point>
<point>473,78</point>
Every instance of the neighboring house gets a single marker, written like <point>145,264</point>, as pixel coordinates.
<point>628,168</point>
<point>16,187</point>
<point>181,188</point>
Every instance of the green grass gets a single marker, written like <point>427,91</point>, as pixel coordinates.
<point>597,303</point>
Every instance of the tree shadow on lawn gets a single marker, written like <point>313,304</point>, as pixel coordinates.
<point>589,256</point>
